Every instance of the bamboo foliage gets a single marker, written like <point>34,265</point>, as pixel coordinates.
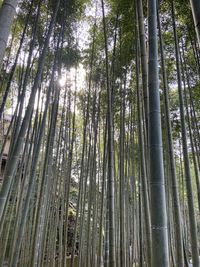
<point>100,170</point>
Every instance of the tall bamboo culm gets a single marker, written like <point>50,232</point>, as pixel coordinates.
<point>160,252</point>
<point>7,13</point>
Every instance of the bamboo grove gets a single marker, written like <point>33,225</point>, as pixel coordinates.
<point>100,133</point>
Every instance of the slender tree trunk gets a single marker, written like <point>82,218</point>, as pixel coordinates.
<point>15,63</point>
<point>143,184</point>
<point>175,196</point>
<point>12,163</point>
<point>112,256</point>
<point>102,208</point>
<point>188,178</point>
<point>144,65</point>
<point>160,252</point>
<point>7,13</point>
<point>195,4</point>
<point>122,180</point>
<point>189,119</point>
<point>31,181</point>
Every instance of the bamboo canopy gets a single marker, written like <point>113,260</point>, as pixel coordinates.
<point>99,133</point>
